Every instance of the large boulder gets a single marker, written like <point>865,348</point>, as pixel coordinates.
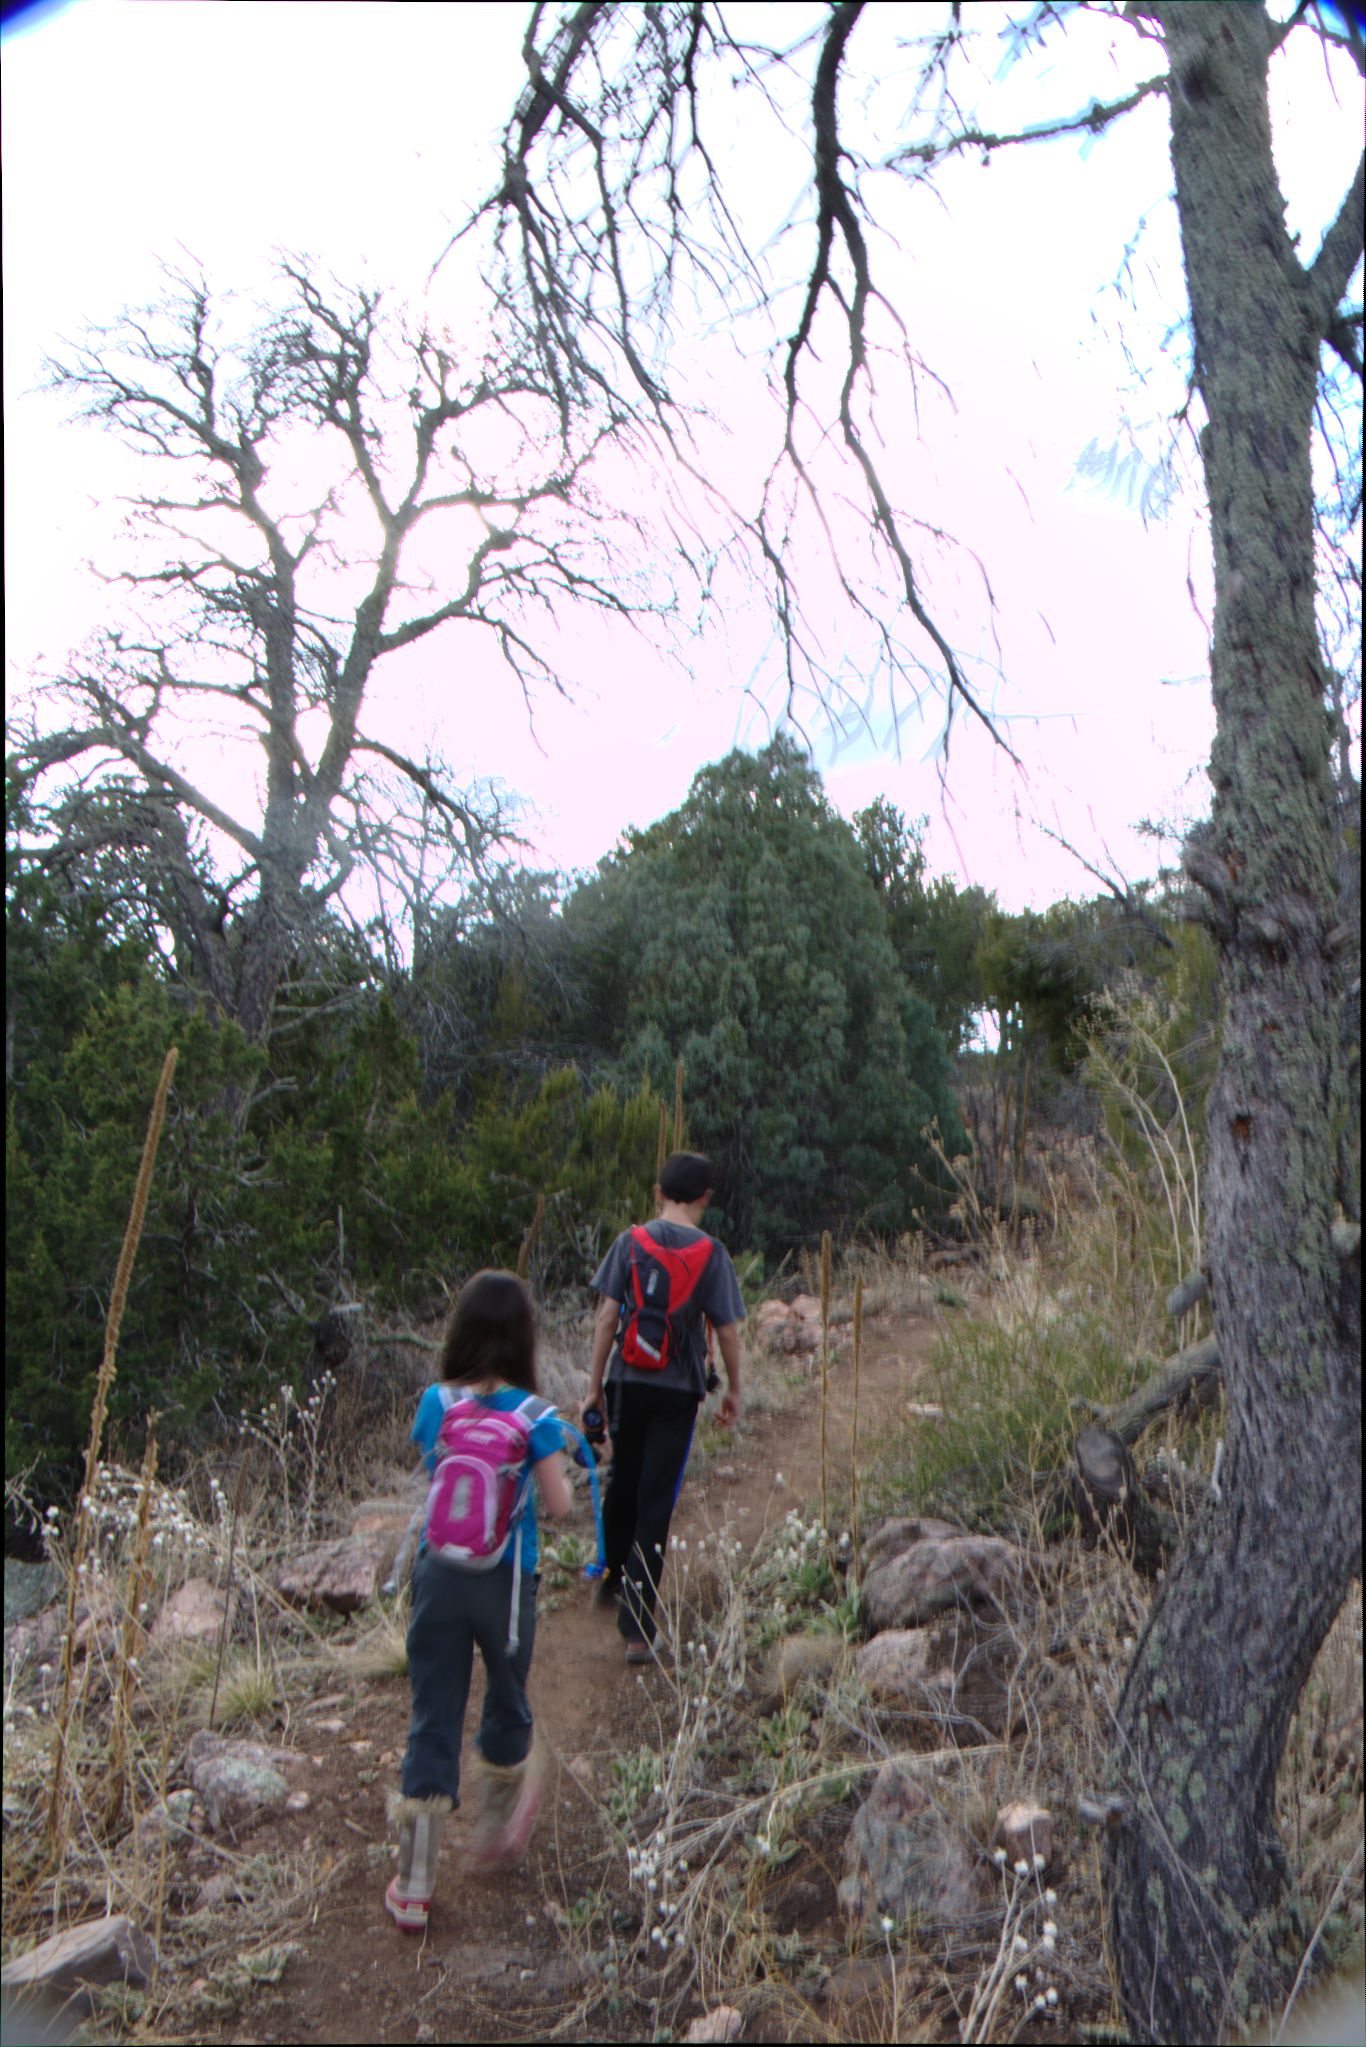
<point>75,1963</point>
<point>340,1576</point>
<point>904,1860</point>
<point>239,1782</point>
<point>899,1532</point>
<point>905,1586</point>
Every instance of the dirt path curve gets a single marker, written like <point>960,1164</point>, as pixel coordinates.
<point>498,1961</point>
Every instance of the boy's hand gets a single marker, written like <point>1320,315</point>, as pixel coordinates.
<point>729,1410</point>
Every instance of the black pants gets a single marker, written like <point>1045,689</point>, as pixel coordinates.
<point>651,1437</point>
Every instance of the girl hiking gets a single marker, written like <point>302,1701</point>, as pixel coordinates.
<point>486,1435</point>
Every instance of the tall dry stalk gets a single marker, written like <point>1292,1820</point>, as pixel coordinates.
<point>678,1106</point>
<point>825,1379</point>
<point>227,1593</point>
<point>529,1240</point>
<point>853,1437</point>
<point>137,1215</point>
<point>662,1150</point>
<point>139,1579</point>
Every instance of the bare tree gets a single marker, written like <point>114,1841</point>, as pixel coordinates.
<point>298,470</point>
<point>611,203</point>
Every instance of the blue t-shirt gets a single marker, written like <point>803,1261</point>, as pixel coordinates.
<point>547,1436</point>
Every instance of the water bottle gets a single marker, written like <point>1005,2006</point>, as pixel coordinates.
<point>594,1433</point>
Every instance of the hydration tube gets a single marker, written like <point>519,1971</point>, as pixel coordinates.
<point>583,1453</point>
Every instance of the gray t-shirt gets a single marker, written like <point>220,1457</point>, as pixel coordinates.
<point>716,1299</point>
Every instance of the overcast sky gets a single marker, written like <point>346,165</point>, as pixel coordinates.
<point>147,130</point>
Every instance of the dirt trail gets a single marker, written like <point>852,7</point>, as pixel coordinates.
<point>498,1962</point>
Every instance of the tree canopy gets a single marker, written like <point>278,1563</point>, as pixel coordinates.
<point>742,935</point>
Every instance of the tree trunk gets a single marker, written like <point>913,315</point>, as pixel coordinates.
<point>1196,1874</point>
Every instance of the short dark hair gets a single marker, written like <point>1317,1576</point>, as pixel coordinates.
<point>491,1333</point>
<point>685,1176</point>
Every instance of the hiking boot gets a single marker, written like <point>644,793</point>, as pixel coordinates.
<point>640,1652</point>
<point>508,1798</point>
<point>409,1895</point>
<point>607,1591</point>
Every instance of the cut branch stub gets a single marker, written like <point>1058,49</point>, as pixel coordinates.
<point>1188,1295</point>
<point>1111,1504</point>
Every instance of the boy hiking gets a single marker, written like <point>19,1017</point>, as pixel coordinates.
<point>662,1286</point>
<point>486,1435</point>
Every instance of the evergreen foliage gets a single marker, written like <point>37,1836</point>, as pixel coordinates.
<point>742,934</point>
<point>399,1129</point>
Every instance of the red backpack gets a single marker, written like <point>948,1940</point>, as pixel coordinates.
<point>663,1281</point>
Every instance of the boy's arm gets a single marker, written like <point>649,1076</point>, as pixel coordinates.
<point>728,1341</point>
<point>604,1330</point>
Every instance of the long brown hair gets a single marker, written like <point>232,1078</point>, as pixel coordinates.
<point>491,1333</point>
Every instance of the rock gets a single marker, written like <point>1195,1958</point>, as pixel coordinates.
<point>899,1533</point>
<point>383,1517</point>
<point>97,1635</point>
<point>958,1678</point>
<point>896,1665</point>
<point>853,1982</point>
<point>902,1858</point>
<point>581,1770</point>
<point>1024,1831</point>
<point>924,1410</point>
<point>223,1888</point>
<point>29,1644</point>
<point>340,1576</point>
<point>974,1692</point>
<point>111,1950</point>
<point>814,1657</point>
<point>792,1327</point>
<point>28,1589</point>
<point>909,1586</point>
<point>239,1781</point>
<point>723,2022</point>
<point>170,1815</point>
<point>194,1612</point>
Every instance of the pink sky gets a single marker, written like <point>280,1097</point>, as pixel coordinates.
<point>107,170</point>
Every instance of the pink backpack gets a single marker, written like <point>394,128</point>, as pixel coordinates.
<point>480,1484</point>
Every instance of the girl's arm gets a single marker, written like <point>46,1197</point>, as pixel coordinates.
<point>552,1485</point>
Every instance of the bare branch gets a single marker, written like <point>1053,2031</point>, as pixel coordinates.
<point>1093,120</point>
<point>1331,270</point>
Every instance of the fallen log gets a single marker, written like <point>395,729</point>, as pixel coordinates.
<point>1112,1505</point>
